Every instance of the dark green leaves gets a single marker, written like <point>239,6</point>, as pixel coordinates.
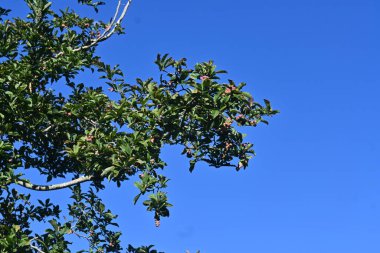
<point>92,3</point>
<point>202,114</point>
<point>101,129</point>
<point>158,203</point>
<point>143,249</point>
<point>3,12</point>
<point>164,62</point>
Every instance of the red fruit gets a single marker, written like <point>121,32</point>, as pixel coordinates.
<point>204,78</point>
<point>228,123</point>
<point>253,123</point>
<point>89,138</point>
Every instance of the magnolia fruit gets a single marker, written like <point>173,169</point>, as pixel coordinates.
<point>89,138</point>
<point>204,78</point>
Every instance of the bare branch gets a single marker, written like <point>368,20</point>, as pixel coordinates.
<point>54,186</point>
<point>116,12</point>
<point>118,21</point>
<point>108,32</point>
<point>35,247</point>
<point>47,129</point>
<point>88,238</point>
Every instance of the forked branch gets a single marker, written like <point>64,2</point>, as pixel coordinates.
<point>109,31</point>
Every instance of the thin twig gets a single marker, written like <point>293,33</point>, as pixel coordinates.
<point>95,124</point>
<point>36,248</point>
<point>47,129</point>
<point>116,12</point>
<point>88,238</point>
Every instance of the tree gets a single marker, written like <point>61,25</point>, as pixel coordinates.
<point>103,133</point>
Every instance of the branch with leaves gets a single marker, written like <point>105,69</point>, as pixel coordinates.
<point>112,131</point>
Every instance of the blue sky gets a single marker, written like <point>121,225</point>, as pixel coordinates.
<point>314,185</point>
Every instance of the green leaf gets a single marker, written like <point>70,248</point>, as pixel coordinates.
<point>215,113</point>
<point>192,165</point>
<point>136,198</point>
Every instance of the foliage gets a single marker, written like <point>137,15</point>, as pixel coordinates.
<point>95,133</point>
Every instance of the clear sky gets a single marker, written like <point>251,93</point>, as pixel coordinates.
<point>314,185</point>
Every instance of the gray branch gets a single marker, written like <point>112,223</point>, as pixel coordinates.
<point>35,247</point>
<point>54,186</point>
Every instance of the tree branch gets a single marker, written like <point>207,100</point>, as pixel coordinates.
<point>116,12</point>
<point>54,186</point>
<point>108,32</point>
<point>35,247</point>
<point>118,22</point>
